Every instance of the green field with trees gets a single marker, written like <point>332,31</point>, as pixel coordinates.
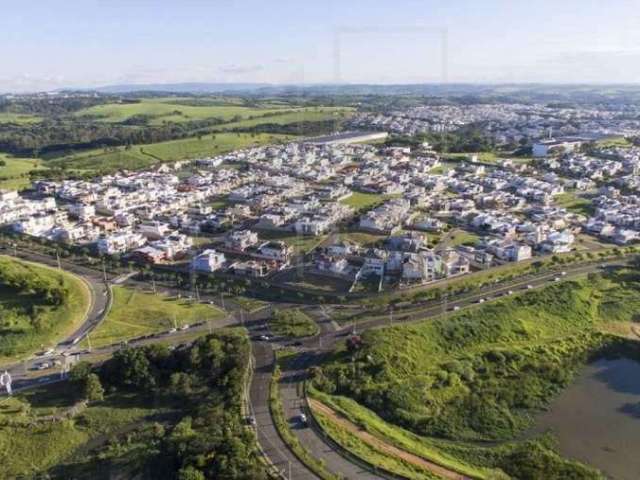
<point>39,306</point>
<point>481,375</point>
<point>148,412</point>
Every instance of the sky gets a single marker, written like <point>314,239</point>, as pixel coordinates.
<point>50,44</point>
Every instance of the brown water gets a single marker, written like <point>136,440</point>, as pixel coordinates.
<point>597,419</point>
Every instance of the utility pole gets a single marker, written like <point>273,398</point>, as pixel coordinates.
<point>89,342</point>
<point>390,316</point>
<point>58,259</point>
<point>222,299</point>
<point>153,283</point>
<point>289,469</point>
<point>104,271</point>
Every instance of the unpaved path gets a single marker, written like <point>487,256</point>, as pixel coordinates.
<point>382,446</point>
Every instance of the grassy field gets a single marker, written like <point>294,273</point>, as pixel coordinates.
<point>28,322</point>
<point>574,203</point>
<point>136,313</point>
<point>363,201</point>
<point>316,114</point>
<point>144,156</point>
<point>170,110</point>
<point>293,323</point>
<point>482,374</point>
<point>14,175</point>
<point>19,118</point>
<point>614,142</point>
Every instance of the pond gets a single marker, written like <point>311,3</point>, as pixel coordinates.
<point>597,419</point>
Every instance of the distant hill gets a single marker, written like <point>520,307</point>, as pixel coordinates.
<point>181,87</point>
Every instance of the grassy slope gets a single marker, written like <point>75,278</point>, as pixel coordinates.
<point>136,313</point>
<point>575,204</point>
<point>21,339</point>
<point>166,111</point>
<point>15,174</point>
<point>482,373</point>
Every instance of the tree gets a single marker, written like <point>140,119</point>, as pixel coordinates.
<point>79,372</point>
<point>93,390</point>
<point>190,473</point>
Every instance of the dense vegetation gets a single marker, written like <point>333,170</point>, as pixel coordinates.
<point>292,323</point>
<point>481,374</point>
<point>38,306</point>
<point>152,413</point>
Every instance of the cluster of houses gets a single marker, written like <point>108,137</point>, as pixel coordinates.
<point>508,123</point>
<point>247,204</point>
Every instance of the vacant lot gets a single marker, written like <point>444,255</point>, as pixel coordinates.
<point>135,313</point>
<point>363,201</point>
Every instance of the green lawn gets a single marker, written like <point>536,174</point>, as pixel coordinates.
<point>144,156</point>
<point>293,323</point>
<point>14,175</point>
<point>136,313</point>
<point>363,201</point>
<point>462,237</point>
<point>573,203</point>
<point>28,322</point>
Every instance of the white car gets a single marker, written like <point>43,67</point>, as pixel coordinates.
<point>185,327</point>
<point>303,418</point>
<point>482,300</point>
<point>556,279</point>
<point>563,274</point>
<point>529,287</point>
<point>173,330</point>
<point>510,292</point>
<point>456,308</point>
